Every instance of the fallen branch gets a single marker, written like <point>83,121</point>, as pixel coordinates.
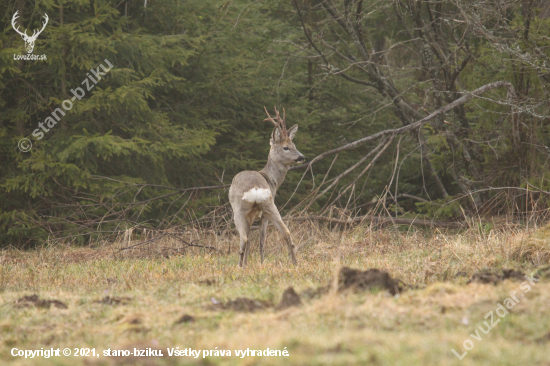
<point>382,220</point>
<point>149,241</point>
<point>190,244</point>
<point>142,243</point>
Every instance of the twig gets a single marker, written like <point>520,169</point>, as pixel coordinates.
<point>163,235</point>
<point>204,188</point>
<point>143,242</point>
<point>190,244</point>
<point>499,189</point>
<point>383,219</point>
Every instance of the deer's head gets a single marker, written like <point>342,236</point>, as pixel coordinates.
<point>283,150</point>
<point>29,40</point>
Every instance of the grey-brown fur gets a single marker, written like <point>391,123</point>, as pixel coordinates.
<point>282,155</point>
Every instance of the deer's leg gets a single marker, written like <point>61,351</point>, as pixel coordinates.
<point>247,249</point>
<point>263,234</point>
<point>243,227</point>
<point>246,253</point>
<point>273,215</point>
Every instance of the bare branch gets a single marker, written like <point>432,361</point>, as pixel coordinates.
<point>415,125</point>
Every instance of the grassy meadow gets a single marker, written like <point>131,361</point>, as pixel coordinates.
<point>164,294</point>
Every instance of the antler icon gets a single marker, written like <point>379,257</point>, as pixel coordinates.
<point>29,41</point>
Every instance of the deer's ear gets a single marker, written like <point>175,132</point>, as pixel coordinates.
<point>276,135</point>
<point>292,132</point>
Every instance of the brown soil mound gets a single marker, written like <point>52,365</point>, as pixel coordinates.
<point>134,320</point>
<point>487,276</point>
<point>357,280</point>
<point>544,339</point>
<point>314,293</point>
<point>207,282</point>
<point>242,304</point>
<point>114,300</point>
<point>461,274</point>
<point>290,298</point>
<point>542,272</point>
<point>512,274</point>
<point>34,300</point>
<point>186,318</point>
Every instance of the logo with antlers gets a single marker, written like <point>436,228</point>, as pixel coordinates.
<point>29,41</point>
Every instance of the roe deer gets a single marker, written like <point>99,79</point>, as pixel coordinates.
<point>252,193</point>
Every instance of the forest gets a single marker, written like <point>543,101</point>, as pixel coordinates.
<point>434,110</point>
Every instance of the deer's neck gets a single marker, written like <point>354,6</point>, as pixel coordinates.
<point>274,174</point>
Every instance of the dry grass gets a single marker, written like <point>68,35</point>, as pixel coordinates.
<point>159,282</point>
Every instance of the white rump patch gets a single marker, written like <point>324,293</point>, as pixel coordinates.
<point>257,195</point>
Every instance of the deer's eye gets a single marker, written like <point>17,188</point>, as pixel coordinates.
<point>285,148</point>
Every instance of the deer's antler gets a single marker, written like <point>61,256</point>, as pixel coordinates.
<point>276,124</point>
<point>15,16</point>
<point>280,123</point>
